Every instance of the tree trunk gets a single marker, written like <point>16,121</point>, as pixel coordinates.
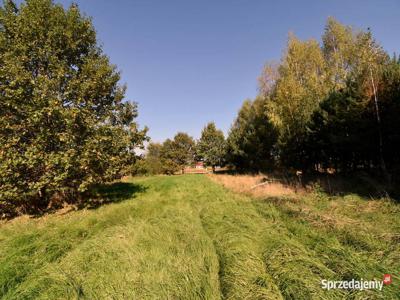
<point>42,198</point>
<point>378,119</point>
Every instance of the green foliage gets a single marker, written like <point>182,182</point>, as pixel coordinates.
<point>298,90</point>
<point>389,93</point>
<point>151,163</point>
<point>342,132</point>
<point>332,105</point>
<point>177,153</point>
<point>251,138</point>
<point>211,146</point>
<point>63,125</point>
<point>339,48</point>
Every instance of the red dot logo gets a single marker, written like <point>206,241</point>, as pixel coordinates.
<point>387,279</point>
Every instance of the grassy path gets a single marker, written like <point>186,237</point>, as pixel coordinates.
<point>183,237</point>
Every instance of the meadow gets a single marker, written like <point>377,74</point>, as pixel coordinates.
<point>196,237</point>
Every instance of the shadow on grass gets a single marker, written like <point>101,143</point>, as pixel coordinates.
<point>110,193</point>
<point>63,203</point>
<point>359,183</point>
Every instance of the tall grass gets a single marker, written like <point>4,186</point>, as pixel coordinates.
<point>314,236</point>
<point>185,237</point>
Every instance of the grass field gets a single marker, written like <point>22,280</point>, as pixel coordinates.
<point>188,237</point>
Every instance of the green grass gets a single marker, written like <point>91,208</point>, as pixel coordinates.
<point>185,237</point>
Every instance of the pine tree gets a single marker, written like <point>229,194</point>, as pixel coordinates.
<point>211,146</point>
<point>251,138</point>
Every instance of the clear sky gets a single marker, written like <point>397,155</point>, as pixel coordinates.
<point>189,62</point>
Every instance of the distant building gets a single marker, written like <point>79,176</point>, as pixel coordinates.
<point>199,165</point>
<point>197,168</point>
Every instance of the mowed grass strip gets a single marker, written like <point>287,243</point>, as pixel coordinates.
<point>237,231</point>
<point>259,257</point>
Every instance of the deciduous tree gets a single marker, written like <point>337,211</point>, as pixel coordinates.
<point>299,90</point>
<point>63,123</point>
<point>178,153</point>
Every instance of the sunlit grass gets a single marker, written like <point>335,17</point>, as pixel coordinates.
<point>185,237</point>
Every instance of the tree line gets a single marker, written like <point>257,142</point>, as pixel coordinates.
<point>173,155</point>
<point>334,105</point>
<point>330,106</point>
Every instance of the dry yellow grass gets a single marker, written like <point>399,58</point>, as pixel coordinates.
<point>302,201</point>
<point>252,185</point>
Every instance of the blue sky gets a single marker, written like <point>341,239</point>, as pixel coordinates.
<point>189,62</point>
